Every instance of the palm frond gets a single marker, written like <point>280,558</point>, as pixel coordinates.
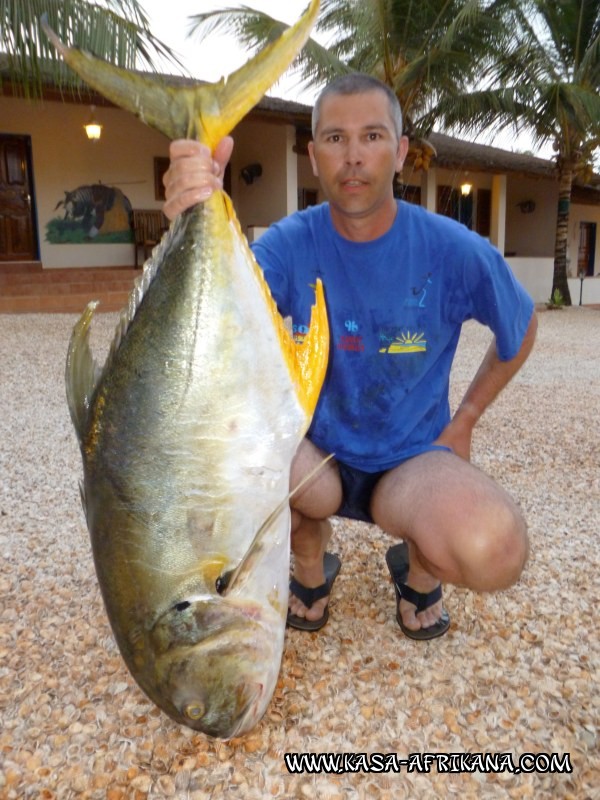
<point>316,64</point>
<point>31,60</point>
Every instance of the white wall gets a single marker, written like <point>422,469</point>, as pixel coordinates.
<point>306,179</point>
<point>531,234</point>
<point>265,200</point>
<point>536,276</point>
<point>63,159</point>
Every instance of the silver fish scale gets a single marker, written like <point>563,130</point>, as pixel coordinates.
<point>192,428</point>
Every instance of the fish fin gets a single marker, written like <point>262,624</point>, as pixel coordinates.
<point>232,579</point>
<point>243,89</point>
<point>205,111</point>
<point>307,361</point>
<point>83,497</point>
<point>139,289</point>
<point>311,356</point>
<point>81,372</point>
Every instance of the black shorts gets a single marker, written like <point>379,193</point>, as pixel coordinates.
<point>358,487</point>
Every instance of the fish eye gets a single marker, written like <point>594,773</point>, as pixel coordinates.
<point>195,711</point>
<point>222,581</point>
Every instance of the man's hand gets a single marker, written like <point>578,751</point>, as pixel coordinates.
<point>492,376</point>
<point>194,174</point>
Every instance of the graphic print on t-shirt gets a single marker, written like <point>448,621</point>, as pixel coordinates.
<point>404,343</point>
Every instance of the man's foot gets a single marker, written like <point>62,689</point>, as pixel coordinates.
<point>419,610</point>
<point>308,606</point>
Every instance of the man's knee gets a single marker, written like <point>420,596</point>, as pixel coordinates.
<point>497,551</point>
<point>321,496</point>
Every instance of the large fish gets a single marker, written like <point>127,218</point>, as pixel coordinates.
<point>188,432</point>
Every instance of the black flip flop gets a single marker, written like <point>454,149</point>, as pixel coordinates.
<point>331,567</point>
<point>397,561</point>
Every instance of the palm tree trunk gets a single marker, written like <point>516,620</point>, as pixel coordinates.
<point>559,280</point>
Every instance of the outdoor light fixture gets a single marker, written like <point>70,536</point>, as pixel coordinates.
<point>93,128</point>
<point>465,189</point>
<point>526,206</point>
<point>250,173</point>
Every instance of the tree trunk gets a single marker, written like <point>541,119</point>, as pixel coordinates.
<point>559,280</point>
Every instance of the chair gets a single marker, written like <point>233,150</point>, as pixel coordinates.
<point>149,224</point>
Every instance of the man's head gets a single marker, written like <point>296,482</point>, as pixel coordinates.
<point>356,150</point>
<point>358,83</point>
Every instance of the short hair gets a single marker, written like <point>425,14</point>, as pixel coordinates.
<point>358,83</point>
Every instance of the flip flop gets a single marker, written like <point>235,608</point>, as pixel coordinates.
<point>397,561</point>
<point>331,567</point>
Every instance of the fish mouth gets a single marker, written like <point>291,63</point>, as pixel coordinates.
<point>249,715</point>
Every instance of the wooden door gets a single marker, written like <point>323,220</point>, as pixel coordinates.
<point>17,229</point>
<point>587,246</point>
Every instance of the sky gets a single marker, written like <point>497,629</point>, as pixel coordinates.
<point>219,55</point>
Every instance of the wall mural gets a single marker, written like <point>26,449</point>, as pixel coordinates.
<point>94,214</point>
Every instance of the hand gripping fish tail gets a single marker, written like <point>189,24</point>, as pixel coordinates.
<point>188,432</point>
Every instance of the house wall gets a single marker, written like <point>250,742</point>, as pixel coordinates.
<point>64,159</point>
<point>527,233</point>
<point>275,193</point>
<point>536,276</point>
<point>306,179</point>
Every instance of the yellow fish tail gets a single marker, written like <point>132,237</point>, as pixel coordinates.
<point>205,111</point>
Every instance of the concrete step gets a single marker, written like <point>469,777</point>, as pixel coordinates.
<point>65,290</point>
<point>20,266</point>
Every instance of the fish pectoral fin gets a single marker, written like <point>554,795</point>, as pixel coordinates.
<point>306,361</point>
<point>81,372</point>
<point>233,579</point>
<point>205,111</point>
<point>312,355</point>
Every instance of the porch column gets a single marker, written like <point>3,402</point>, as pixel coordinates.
<point>291,170</point>
<point>429,189</point>
<point>498,222</point>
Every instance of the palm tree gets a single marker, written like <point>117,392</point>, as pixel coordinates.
<point>538,61</point>
<point>117,32</point>
<point>547,81</point>
<point>424,50</point>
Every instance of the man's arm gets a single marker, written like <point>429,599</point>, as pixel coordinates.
<point>492,376</point>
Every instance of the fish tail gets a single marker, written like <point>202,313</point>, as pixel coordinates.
<point>205,111</point>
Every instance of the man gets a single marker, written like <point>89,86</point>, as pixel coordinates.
<point>399,283</point>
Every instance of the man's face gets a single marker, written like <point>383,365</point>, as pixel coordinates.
<point>356,153</point>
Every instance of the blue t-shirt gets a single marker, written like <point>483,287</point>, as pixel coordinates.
<point>395,306</point>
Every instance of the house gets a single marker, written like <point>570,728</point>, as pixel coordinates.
<point>65,199</point>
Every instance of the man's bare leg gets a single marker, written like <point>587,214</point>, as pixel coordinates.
<point>311,529</point>
<point>461,528</point>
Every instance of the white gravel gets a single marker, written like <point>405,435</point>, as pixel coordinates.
<point>517,673</point>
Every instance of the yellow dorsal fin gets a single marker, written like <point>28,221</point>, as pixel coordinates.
<point>312,355</point>
<point>205,111</point>
<point>307,361</point>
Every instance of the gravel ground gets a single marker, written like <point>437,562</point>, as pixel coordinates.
<point>517,673</point>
